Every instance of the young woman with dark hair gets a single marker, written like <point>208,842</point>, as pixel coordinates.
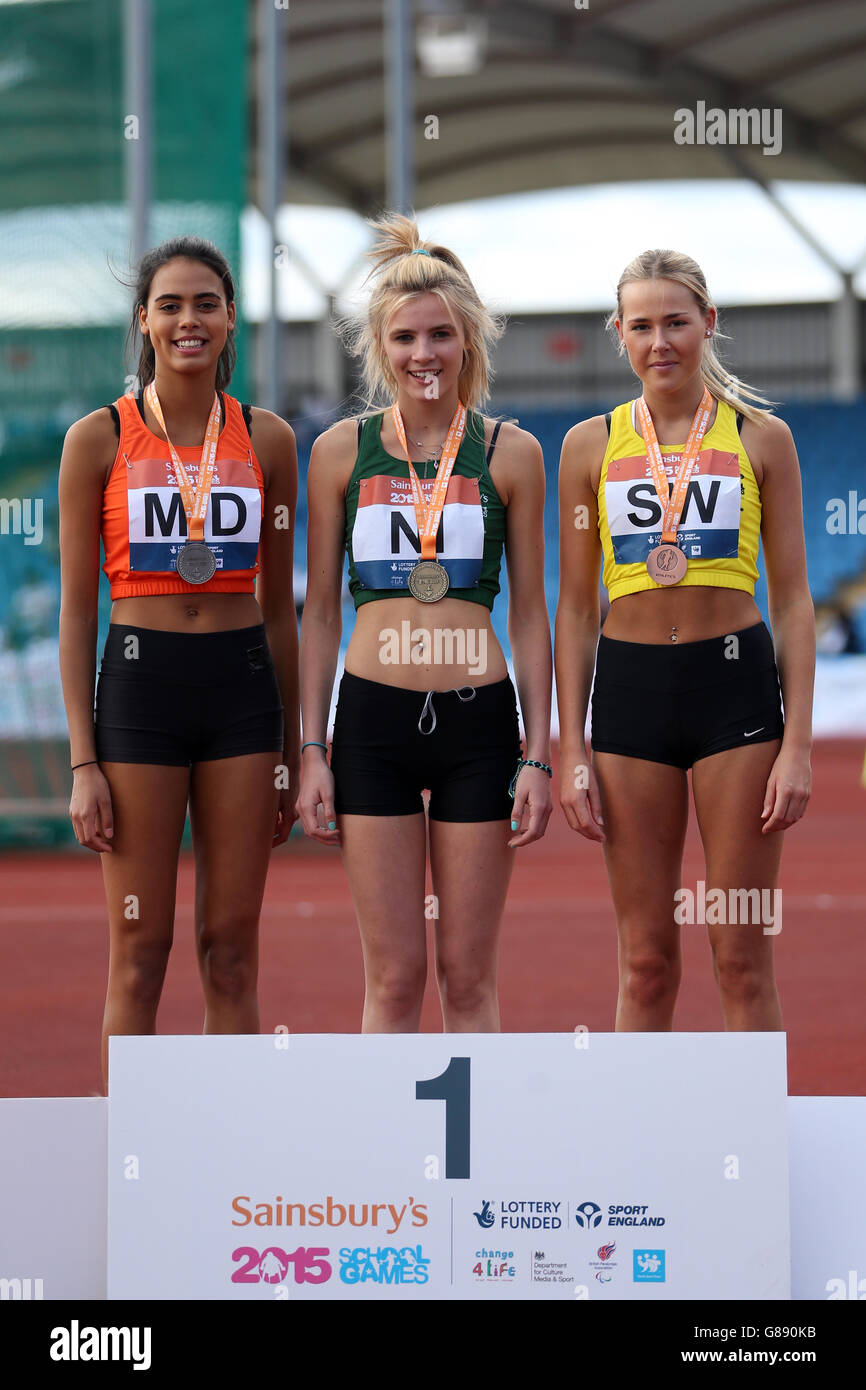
<point>194,498</point>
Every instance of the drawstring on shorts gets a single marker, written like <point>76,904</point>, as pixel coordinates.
<point>428,705</point>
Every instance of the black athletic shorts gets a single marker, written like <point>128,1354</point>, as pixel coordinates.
<point>390,744</point>
<point>176,698</point>
<point>677,703</point>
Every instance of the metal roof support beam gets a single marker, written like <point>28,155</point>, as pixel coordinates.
<point>846,348</point>
<point>138,148</point>
<point>329,360</point>
<point>399,113</point>
<point>272,156</point>
<point>580,37</point>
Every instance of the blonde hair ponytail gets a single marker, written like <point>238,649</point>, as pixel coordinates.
<point>404,266</point>
<point>673,265</point>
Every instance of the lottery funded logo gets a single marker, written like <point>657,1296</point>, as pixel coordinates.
<point>528,1214</point>
<point>544,1270</point>
<point>648,1266</point>
<point>494,1266</point>
<point>604,1266</point>
<point>486,1216</point>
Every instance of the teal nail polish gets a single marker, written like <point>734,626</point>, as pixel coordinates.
<point>514,825</point>
<point>332,825</point>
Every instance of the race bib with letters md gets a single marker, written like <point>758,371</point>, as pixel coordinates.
<point>158,525</point>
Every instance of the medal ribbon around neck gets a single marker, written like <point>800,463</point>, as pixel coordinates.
<point>194,500</point>
<point>673,501</point>
<point>428,514</point>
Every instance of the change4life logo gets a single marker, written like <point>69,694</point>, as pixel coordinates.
<point>494,1266</point>
<point>605,1264</point>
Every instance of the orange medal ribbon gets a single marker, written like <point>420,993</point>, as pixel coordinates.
<point>673,500</point>
<point>428,514</point>
<point>194,500</point>
<point>667,563</point>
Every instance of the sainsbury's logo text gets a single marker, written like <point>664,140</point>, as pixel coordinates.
<point>383,1215</point>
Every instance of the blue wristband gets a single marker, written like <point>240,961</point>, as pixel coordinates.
<point>521,764</point>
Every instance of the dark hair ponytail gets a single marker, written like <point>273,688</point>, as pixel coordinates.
<point>191,248</point>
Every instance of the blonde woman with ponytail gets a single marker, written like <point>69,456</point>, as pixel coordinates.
<point>426,702</point>
<point>671,492</point>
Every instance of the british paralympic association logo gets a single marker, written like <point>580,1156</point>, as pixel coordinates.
<point>604,1266</point>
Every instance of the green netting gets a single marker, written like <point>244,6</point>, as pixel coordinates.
<point>63,314</point>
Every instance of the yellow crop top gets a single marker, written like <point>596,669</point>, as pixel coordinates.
<point>721,519</point>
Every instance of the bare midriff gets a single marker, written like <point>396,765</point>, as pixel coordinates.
<point>188,612</point>
<point>425,646</point>
<point>694,614</point>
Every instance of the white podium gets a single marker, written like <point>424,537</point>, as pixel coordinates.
<point>515,1166</point>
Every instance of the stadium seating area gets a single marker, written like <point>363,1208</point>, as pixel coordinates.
<point>828,440</point>
<point>34,778</point>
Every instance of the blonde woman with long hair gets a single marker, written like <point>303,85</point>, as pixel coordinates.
<point>671,491</point>
<point>423,494</point>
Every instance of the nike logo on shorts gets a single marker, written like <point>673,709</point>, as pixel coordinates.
<point>751,734</point>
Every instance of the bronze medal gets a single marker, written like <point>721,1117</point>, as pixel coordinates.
<point>666,564</point>
<point>428,581</point>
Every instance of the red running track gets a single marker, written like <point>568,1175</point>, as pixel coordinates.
<point>558,953</point>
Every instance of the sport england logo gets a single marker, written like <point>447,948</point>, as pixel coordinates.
<point>486,1217</point>
<point>587,1215</point>
<point>648,1266</point>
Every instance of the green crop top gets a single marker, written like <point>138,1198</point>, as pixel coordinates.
<point>381,530</point>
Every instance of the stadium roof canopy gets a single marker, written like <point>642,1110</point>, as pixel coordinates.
<point>563,95</point>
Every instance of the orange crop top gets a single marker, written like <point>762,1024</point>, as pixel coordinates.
<point>143,521</point>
